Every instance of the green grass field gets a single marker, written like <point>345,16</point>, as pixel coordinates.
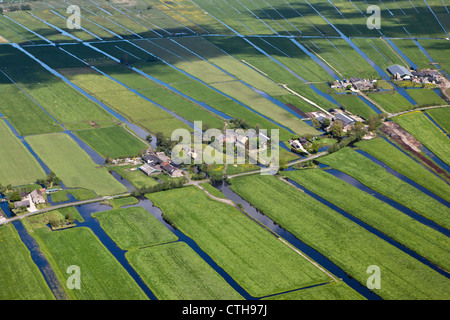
<point>426,132</point>
<point>26,116</point>
<point>181,274</point>
<point>378,179</point>
<point>17,165</point>
<point>258,261</point>
<point>426,97</point>
<point>441,116</point>
<point>331,291</point>
<point>391,101</point>
<point>136,177</point>
<point>426,241</point>
<point>133,228</point>
<point>403,164</point>
<point>102,277</point>
<point>78,194</point>
<point>72,165</point>
<point>114,142</point>
<point>349,246</point>
<point>21,279</point>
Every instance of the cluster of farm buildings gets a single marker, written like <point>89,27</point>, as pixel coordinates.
<point>354,83</point>
<point>345,118</point>
<point>398,72</point>
<point>159,162</point>
<point>425,76</point>
<point>32,199</point>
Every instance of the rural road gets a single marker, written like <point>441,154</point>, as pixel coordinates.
<point>418,109</point>
<point>65,205</point>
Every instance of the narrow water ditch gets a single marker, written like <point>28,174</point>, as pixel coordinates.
<point>372,230</point>
<point>41,261</point>
<point>404,178</point>
<point>300,245</point>
<point>86,212</point>
<point>354,182</point>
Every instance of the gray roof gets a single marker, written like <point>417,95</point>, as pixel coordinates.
<point>150,158</point>
<point>148,169</point>
<point>401,70</point>
<point>23,203</point>
<point>344,118</point>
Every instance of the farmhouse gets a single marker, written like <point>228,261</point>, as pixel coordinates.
<point>171,170</point>
<point>37,197</point>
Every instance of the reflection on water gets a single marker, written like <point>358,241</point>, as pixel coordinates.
<point>41,261</point>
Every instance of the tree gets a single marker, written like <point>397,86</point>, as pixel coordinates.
<point>70,218</point>
<point>315,123</point>
<point>336,129</point>
<point>15,196</point>
<point>149,138</point>
<point>326,122</point>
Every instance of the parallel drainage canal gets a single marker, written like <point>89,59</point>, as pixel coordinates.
<point>41,261</point>
<point>119,254</point>
<point>404,178</point>
<point>372,230</point>
<point>312,253</point>
<point>354,182</point>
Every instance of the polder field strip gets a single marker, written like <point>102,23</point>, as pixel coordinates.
<point>256,259</point>
<point>48,90</point>
<point>17,164</point>
<point>338,54</point>
<point>379,52</point>
<point>427,133</point>
<point>72,165</point>
<point>103,277</point>
<point>247,96</point>
<point>114,95</point>
<point>181,273</point>
<point>27,117</point>
<point>434,49</point>
<point>378,179</point>
<point>346,244</point>
<point>155,92</point>
<point>405,165</point>
<point>193,88</point>
<point>391,101</point>
<point>332,291</point>
<point>133,228</point>
<point>424,240</point>
<point>228,85</point>
<point>114,142</point>
<point>441,116</point>
<point>235,67</point>
<point>412,51</point>
<point>21,278</point>
<point>426,97</point>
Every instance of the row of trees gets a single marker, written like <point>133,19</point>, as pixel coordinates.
<point>171,184</point>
